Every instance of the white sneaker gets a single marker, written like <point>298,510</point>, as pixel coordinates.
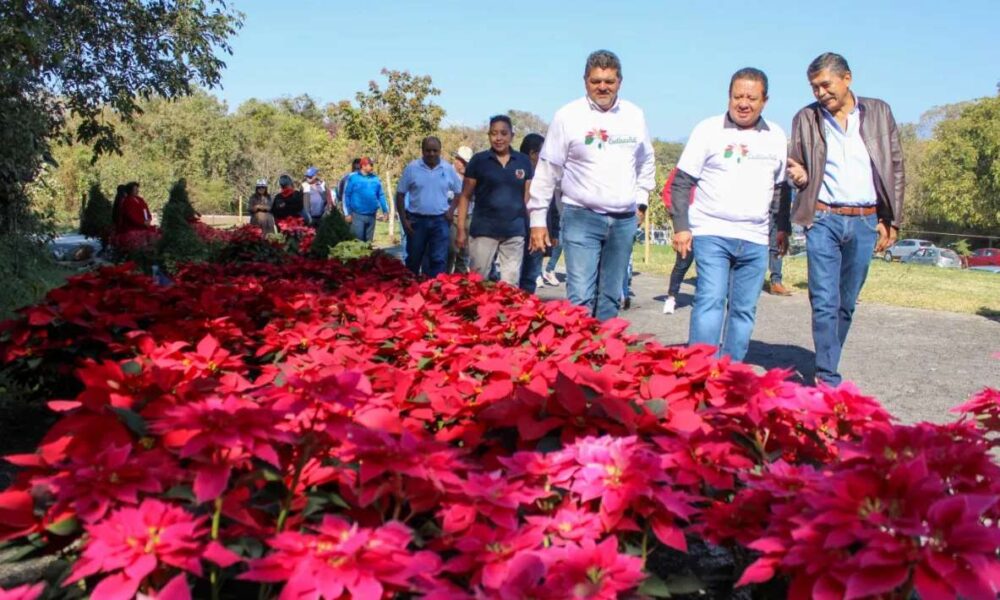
<point>669,305</point>
<point>550,278</point>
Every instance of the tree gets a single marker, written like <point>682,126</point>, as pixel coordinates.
<point>961,174</point>
<point>667,154</point>
<point>78,59</point>
<point>95,220</point>
<point>527,122</point>
<point>390,122</point>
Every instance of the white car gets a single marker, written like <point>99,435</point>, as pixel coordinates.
<point>904,248</point>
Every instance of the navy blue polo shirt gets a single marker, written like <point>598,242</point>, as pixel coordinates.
<point>499,210</point>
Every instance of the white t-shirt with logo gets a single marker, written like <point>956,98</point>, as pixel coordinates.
<point>737,171</point>
<point>602,160</point>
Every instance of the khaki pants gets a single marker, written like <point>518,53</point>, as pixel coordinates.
<point>482,251</point>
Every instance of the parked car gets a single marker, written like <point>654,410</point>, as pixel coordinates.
<point>984,257</point>
<point>987,269</point>
<point>904,248</point>
<point>938,257</point>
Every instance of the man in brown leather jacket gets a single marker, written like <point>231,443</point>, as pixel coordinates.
<point>846,160</point>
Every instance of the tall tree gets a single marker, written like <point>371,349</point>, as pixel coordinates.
<point>961,174</point>
<point>79,58</point>
<point>390,121</point>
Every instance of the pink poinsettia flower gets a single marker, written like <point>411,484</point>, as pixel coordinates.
<point>23,592</point>
<point>116,475</point>
<point>596,571</point>
<point>130,543</point>
<point>570,523</point>
<point>618,471</point>
<point>221,433</point>
<point>336,557</point>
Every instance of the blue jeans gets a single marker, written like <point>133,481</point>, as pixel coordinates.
<point>774,257</point>
<point>531,268</point>
<point>597,250</point>
<point>363,226</point>
<point>427,245</point>
<point>839,249</point>
<point>554,258</point>
<point>627,282</point>
<point>402,240</point>
<point>681,266</point>
<point>729,272</point>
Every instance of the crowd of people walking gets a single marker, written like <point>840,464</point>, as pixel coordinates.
<point>582,190</point>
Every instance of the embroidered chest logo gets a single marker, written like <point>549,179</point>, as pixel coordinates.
<point>519,173</point>
<point>740,151</point>
<point>596,135</point>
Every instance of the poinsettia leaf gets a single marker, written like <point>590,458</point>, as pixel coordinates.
<point>63,528</point>
<point>132,420</point>
<point>657,406</point>
<point>180,492</point>
<point>655,587</point>
<point>549,443</point>
<point>131,368</point>
<point>424,362</point>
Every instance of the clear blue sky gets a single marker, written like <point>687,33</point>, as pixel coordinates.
<point>677,56</point>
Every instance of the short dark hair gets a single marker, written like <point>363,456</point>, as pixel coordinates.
<point>603,59</point>
<point>430,138</point>
<point>355,164</point>
<point>531,143</point>
<point>502,119</point>
<point>836,63</point>
<point>749,74</point>
<point>131,187</point>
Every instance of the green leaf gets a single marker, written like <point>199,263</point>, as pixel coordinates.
<point>424,362</point>
<point>654,587</point>
<point>132,368</point>
<point>131,419</point>
<point>420,398</point>
<point>64,527</point>
<point>657,406</point>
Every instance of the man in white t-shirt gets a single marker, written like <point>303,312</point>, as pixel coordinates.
<point>599,153</point>
<point>735,162</point>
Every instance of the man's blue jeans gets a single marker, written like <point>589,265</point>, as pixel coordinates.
<point>429,240</point>
<point>729,273</point>
<point>839,249</point>
<point>774,256</point>
<point>597,249</point>
<point>363,226</point>
<point>531,268</point>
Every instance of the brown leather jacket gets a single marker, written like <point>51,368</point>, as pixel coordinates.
<point>878,129</point>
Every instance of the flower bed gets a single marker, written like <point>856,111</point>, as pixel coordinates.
<point>315,430</point>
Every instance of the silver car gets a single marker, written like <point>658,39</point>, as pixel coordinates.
<point>938,257</point>
<point>904,248</point>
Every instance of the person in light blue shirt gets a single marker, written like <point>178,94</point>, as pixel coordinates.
<point>363,198</point>
<point>431,185</point>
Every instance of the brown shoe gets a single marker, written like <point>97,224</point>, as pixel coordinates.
<point>776,289</point>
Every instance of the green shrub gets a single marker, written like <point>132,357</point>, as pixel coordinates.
<point>350,250</point>
<point>962,247</point>
<point>332,230</point>
<point>95,218</point>
<point>27,271</point>
<point>179,241</point>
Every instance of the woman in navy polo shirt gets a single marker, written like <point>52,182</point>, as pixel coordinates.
<point>498,178</point>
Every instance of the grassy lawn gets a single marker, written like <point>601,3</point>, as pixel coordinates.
<point>895,284</point>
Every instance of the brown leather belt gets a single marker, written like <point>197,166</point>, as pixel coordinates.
<point>847,211</point>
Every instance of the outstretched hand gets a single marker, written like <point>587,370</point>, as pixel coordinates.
<point>682,243</point>
<point>887,235</point>
<point>796,173</point>
<point>540,241</point>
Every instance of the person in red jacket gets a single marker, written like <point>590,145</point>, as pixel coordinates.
<point>681,263</point>
<point>133,215</point>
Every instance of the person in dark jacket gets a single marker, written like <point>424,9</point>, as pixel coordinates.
<point>288,201</point>
<point>531,264</point>
<point>847,163</point>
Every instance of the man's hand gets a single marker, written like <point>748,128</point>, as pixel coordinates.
<point>406,225</point>
<point>450,215</point>
<point>682,243</point>
<point>348,219</point>
<point>382,217</point>
<point>539,239</point>
<point>796,173</point>
<point>461,238</point>
<point>887,235</point>
<point>782,240</point>
<point>641,215</point>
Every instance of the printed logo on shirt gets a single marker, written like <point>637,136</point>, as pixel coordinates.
<point>740,151</point>
<point>596,135</point>
<point>519,173</point>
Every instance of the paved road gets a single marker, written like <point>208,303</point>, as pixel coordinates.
<point>918,363</point>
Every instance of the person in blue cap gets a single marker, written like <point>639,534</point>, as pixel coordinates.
<point>318,198</point>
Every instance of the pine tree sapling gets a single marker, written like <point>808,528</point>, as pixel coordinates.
<point>332,230</point>
<point>179,242</point>
<point>95,219</point>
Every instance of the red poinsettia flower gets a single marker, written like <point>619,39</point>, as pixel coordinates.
<point>23,592</point>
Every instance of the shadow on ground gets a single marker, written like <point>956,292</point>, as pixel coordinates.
<point>783,356</point>
<point>989,313</point>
